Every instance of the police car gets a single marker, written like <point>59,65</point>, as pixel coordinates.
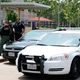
<point>57,53</point>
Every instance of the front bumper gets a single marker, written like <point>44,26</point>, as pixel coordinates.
<point>10,55</point>
<point>57,67</point>
<point>43,66</point>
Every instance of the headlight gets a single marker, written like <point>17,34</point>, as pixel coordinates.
<point>55,58</point>
<point>4,46</point>
<point>58,58</point>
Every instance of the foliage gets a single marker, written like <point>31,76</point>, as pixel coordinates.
<point>67,11</point>
<point>11,15</point>
<point>70,11</point>
<point>5,0</point>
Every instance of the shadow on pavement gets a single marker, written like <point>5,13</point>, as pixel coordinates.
<point>8,63</point>
<point>43,77</point>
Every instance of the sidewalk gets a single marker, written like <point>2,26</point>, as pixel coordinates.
<point>1,59</point>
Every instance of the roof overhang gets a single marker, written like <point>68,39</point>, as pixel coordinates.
<point>40,19</point>
<point>23,5</point>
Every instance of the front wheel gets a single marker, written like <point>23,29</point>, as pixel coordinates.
<point>75,68</point>
<point>11,61</point>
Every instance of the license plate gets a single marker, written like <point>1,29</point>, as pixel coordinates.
<point>31,66</point>
<point>11,54</point>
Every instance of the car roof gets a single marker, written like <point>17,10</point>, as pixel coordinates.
<point>68,31</point>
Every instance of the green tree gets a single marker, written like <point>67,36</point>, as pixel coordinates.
<point>11,15</point>
<point>66,11</point>
<point>5,0</point>
<point>70,11</point>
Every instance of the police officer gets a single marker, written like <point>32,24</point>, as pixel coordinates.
<point>5,32</point>
<point>19,29</point>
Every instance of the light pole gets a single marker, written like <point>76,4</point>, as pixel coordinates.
<point>58,17</point>
<point>58,6</point>
<point>78,17</point>
<point>79,14</point>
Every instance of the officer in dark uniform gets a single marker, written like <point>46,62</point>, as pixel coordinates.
<point>19,29</point>
<point>5,33</point>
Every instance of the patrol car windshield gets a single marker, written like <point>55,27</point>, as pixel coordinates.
<point>60,39</point>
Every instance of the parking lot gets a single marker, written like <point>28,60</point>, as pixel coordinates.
<point>9,71</point>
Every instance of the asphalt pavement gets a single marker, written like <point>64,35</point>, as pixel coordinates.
<point>9,71</point>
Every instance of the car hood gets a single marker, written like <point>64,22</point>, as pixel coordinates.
<point>20,44</point>
<point>47,50</point>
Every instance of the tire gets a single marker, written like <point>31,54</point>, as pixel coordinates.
<point>75,68</point>
<point>25,74</point>
<point>11,61</point>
